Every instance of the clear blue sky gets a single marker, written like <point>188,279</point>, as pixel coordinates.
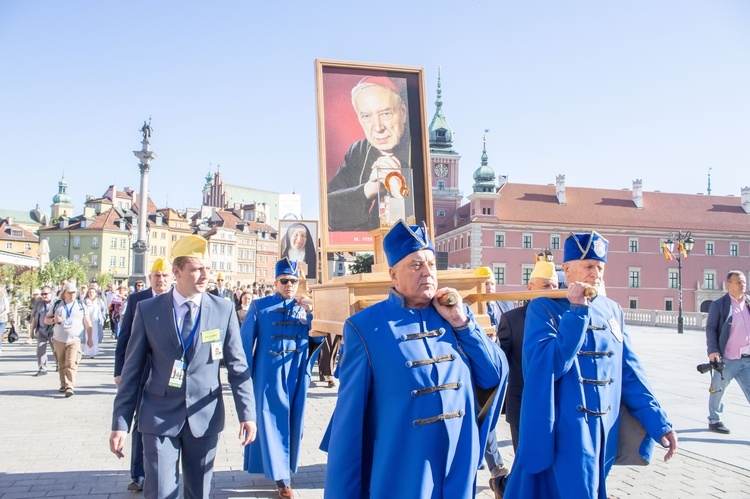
<point>604,92</point>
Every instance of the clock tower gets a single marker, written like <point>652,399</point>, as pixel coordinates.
<point>446,197</point>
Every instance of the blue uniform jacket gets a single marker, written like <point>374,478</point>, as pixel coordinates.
<point>405,424</point>
<point>277,345</point>
<point>578,367</point>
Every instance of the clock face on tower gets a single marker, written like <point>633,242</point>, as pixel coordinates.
<point>441,170</point>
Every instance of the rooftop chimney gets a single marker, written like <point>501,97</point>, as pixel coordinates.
<point>560,189</point>
<point>638,193</point>
<point>745,199</point>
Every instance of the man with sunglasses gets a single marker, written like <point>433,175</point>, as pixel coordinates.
<point>280,356</point>
<point>39,330</point>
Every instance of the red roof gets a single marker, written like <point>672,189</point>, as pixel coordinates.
<point>599,208</point>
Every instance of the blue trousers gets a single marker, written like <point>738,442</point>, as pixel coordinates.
<point>738,369</point>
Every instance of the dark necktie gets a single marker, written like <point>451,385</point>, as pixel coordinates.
<point>188,321</point>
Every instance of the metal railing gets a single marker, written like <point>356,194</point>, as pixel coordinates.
<point>662,318</point>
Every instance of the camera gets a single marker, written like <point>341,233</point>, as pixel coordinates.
<point>704,368</point>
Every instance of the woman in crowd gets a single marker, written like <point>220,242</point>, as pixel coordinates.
<point>298,245</point>
<point>4,313</point>
<point>96,312</point>
<point>245,299</point>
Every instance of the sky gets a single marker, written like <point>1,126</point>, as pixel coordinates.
<point>603,92</point>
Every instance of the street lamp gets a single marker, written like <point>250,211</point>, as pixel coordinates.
<point>685,245</point>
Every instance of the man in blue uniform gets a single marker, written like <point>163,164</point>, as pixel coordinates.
<point>406,422</point>
<point>275,338</point>
<point>579,367</point>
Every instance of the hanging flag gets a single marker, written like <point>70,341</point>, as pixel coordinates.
<point>682,250</point>
<point>667,254</point>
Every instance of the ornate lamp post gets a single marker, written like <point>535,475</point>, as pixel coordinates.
<point>685,245</point>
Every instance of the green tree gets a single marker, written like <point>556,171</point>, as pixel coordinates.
<point>104,279</point>
<point>363,263</point>
<point>61,268</point>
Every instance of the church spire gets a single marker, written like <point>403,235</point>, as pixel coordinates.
<point>441,134</point>
<point>484,176</point>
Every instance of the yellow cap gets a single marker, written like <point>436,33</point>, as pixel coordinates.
<point>483,272</point>
<point>219,276</point>
<point>545,270</point>
<point>160,265</point>
<point>193,246</point>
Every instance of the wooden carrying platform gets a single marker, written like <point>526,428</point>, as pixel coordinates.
<point>336,301</point>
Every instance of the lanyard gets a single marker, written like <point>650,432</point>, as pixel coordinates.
<point>67,310</point>
<point>185,344</point>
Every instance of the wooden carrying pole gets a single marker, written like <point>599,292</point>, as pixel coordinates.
<point>524,295</point>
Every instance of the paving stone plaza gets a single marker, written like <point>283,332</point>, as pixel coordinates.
<point>51,446</point>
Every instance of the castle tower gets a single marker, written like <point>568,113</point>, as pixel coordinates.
<point>446,196</point>
<point>62,204</point>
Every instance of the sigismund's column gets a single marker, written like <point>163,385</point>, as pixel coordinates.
<point>145,155</point>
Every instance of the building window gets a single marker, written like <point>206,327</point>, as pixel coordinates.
<point>554,242</point>
<point>153,250</point>
<point>10,245</point>
<point>635,278</point>
<point>221,265</point>
<point>229,266</point>
<point>27,247</point>
<point>162,251</point>
<point>673,276</point>
<point>112,262</point>
<point>734,249</point>
<point>668,304</point>
<point>174,238</point>
<point>95,242</point>
<point>709,248</point>
<point>76,258</point>
<point>123,244</point>
<point>526,274</point>
<point>163,235</point>
<point>633,245</point>
<point>499,240</point>
<point>221,249</point>
<point>94,260</point>
<point>122,262</point>
<point>500,275</point>
<point>441,185</point>
<point>633,303</point>
<point>213,265</point>
<point>709,279</point>
<point>527,241</point>
<point>16,233</point>
<point>441,213</point>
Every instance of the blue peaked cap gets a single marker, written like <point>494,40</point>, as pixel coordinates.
<point>402,240</point>
<point>585,247</point>
<point>286,266</point>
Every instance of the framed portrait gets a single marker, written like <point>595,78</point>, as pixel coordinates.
<point>299,242</point>
<point>373,151</point>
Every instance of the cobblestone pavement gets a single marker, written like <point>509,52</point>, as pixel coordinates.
<point>51,446</point>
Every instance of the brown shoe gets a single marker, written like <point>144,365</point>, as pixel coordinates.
<point>68,393</point>
<point>286,493</point>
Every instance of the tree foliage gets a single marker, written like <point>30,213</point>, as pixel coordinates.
<point>363,263</point>
<point>61,268</point>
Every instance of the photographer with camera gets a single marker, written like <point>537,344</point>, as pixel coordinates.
<point>728,342</point>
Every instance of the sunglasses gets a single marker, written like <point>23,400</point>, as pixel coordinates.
<point>45,294</point>
<point>287,281</point>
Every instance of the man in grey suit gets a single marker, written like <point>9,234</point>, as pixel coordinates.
<point>186,333</point>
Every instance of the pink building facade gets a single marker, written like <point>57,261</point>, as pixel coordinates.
<point>503,225</point>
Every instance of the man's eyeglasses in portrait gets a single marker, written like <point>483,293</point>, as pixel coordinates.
<point>287,281</point>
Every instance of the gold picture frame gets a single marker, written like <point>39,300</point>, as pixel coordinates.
<point>354,145</point>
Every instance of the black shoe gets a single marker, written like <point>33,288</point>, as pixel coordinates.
<point>718,427</point>
<point>137,484</point>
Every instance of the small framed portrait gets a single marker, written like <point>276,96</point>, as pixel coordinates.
<point>373,151</point>
<point>299,243</point>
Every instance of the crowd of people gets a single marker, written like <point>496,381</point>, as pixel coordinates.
<point>422,384</point>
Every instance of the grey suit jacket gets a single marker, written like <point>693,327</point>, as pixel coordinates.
<point>165,409</point>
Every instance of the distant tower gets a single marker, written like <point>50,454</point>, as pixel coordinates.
<point>709,182</point>
<point>145,155</point>
<point>62,204</point>
<point>446,196</point>
<point>482,203</point>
